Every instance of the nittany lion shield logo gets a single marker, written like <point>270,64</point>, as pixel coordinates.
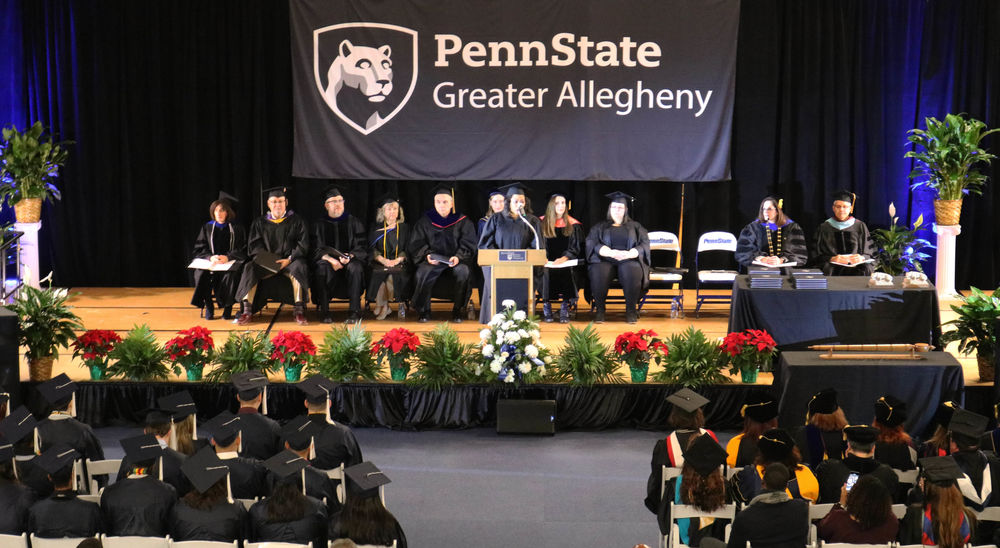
<point>365,72</point>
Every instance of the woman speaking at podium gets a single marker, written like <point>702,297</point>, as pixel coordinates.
<point>618,247</point>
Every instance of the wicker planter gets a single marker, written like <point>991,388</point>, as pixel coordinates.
<point>947,212</point>
<point>40,369</point>
<point>28,210</point>
<point>986,368</point>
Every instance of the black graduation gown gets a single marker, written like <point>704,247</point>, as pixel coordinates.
<point>336,532</point>
<point>34,477</point>
<point>335,444</point>
<point>973,465</point>
<point>224,522</point>
<point>814,443</point>
<point>261,435</point>
<point>15,499</point>
<point>391,243</point>
<point>504,232</point>
<point>563,282</point>
<point>62,515</point>
<point>247,477</point>
<point>230,240</point>
<point>752,243</point>
<point>288,239</point>
<point>318,486</point>
<point>831,475</point>
<point>172,474</point>
<point>311,527</point>
<point>138,507</point>
<point>79,436</point>
<point>603,234</point>
<point>347,235</point>
<point>661,458</point>
<point>896,455</point>
<point>831,241</point>
<point>453,236</point>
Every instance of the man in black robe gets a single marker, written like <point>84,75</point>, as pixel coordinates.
<point>62,514</point>
<point>282,234</point>
<point>980,482</point>
<point>247,475</point>
<point>140,504</point>
<point>158,424</point>
<point>859,457</point>
<point>843,244</point>
<point>443,244</point>
<point>221,521</point>
<point>335,443</point>
<point>260,433</point>
<point>298,438</point>
<point>339,254</point>
<point>61,426</point>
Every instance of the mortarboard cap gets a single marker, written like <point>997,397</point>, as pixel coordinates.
<point>940,469</point>
<point>249,384</point>
<point>444,189</point>
<point>760,407</point>
<point>687,399</point>
<point>331,192</point>
<point>317,388</point>
<point>275,192</point>
<point>704,455</point>
<point>387,198</point>
<point>179,405</point>
<point>967,423</point>
<point>6,449</point>
<point>364,480</point>
<point>299,433</point>
<point>142,448</point>
<point>58,391</point>
<point>861,433</point>
<point>157,417</point>
<point>227,197</point>
<point>944,412</point>
<point>57,458</point>
<point>18,425</point>
<point>204,469</point>
<point>823,402</point>
<point>776,444</point>
<point>495,192</point>
<point>619,197</point>
<point>223,428</point>
<point>285,464</point>
<point>513,188</point>
<point>890,410</point>
<point>844,196</point>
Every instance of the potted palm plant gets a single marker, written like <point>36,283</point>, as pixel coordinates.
<point>947,152</point>
<point>47,324</point>
<point>974,329</point>
<point>28,163</point>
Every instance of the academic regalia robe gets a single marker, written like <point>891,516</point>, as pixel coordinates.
<point>504,232</point>
<point>312,527</point>
<point>347,235</point>
<point>138,507</point>
<point>896,455</point>
<point>633,274</point>
<point>224,522</point>
<point>740,452</point>
<point>749,482</point>
<point>336,531</point>
<point>980,485</point>
<point>666,452</point>
<point>31,475</point>
<point>288,239</point>
<point>15,499</point>
<point>261,434</point>
<point>171,460</point>
<point>563,282</point>
<point>817,445</point>
<point>335,444</point>
<point>833,473</point>
<point>227,239</point>
<point>63,515</point>
<point>451,236</point>
<point>391,244</point>
<point>247,477</point>
<point>753,243</point>
<point>831,241</point>
<point>59,428</point>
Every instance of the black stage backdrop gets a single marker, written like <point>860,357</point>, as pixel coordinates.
<point>171,101</point>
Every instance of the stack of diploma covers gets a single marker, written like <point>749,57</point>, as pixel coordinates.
<point>765,278</point>
<point>808,278</point>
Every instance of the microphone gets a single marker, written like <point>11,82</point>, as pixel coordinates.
<point>520,212</point>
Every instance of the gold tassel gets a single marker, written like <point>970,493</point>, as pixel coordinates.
<point>263,405</point>
<point>781,203</point>
<point>312,447</point>
<point>173,436</point>
<point>194,426</point>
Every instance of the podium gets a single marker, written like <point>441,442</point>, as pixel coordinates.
<point>510,275</point>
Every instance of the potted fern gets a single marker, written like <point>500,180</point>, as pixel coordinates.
<point>345,355</point>
<point>693,360</point>
<point>46,324</point>
<point>242,352</point>
<point>585,359</point>
<point>28,163</point>
<point>138,357</point>
<point>443,359</point>
<point>974,329</point>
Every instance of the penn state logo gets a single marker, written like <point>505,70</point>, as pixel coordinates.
<point>365,72</point>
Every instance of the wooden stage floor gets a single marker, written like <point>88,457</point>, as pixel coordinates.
<point>166,310</point>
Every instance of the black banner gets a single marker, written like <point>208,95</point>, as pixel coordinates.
<point>519,89</point>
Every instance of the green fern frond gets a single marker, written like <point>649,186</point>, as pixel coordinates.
<point>139,357</point>
<point>242,352</point>
<point>585,359</point>
<point>443,360</point>
<point>345,355</point>
<point>692,360</point>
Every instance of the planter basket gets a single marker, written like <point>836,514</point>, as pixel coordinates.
<point>28,210</point>
<point>986,368</point>
<point>947,212</point>
<point>41,368</point>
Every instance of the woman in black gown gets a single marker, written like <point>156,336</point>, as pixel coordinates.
<point>206,512</point>
<point>563,242</point>
<point>772,239</point>
<point>288,515</point>
<point>219,242</point>
<point>618,246</point>
<point>390,275</point>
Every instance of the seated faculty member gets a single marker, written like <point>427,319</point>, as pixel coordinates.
<point>390,275</point>
<point>771,239</point>
<point>843,243</point>
<point>220,242</point>
<point>339,255</point>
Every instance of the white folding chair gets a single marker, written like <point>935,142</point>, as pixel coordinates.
<point>107,467</point>
<point>715,241</point>
<point>682,511</point>
<point>39,542</point>
<point>267,544</point>
<point>667,473</point>
<point>899,510</point>
<point>338,474</point>
<point>819,511</point>
<point>907,476</point>
<point>135,542</point>
<point>247,503</point>
<point>203,544</point>
<point>990,513</point>
<point>664,246</point>
<point>96,499</point>
<point>14,541</point>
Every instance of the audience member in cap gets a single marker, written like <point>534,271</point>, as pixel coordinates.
<point>940,520</point>
<point>248,477</point>
<point>442,246</point>
<point>618,247</point>
<point>700,484</point>
<point>843,243</point>
<point>771,239</point>
<point>183,418</point>
<point>140,504</point>
<point>282,233</point>
<point>496,203</point>
<point>894,447</point>
<point>62,514</point>
<point>760,413</point>
<point>261,434</point>
<point>364,519</point>
<point>390,274</point>
<point>859,458</point>
<point>775,445</point>
<point>298,438</point>
<point>288,515</point>
<point>863,515</point>
<point>220,241</point>
<point>564,241</point>
<point>981,482</point>
<point>61,426</point>
<point>158,424</point>
<point>340,252</point>
<point>15,497</point>
<point>938,444</point>
<point>335,443</point>
<point>823,435</point>
<point>772,518</point>
<point>688,420</point>
<point>18,428</point>
<point>206,512</point>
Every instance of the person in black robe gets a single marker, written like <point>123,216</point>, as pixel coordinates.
<point>508,230</point>
<point>15,498</point>
<point>18,428</point>
<point>207,512</point>
<point>335,443</point>
<point>61,425</point>
<point>822,437</point>
<point>843,243</point>
<point>701,485</point>
<point>140,504</point>
<point>688,420</point>
<point>389,272</point>
<point>288,515</point>
<point>760,414</point>
<point>248,476</point>
<point>859,457</point>
<point>220,241</point>
<point>618,247</point>
<point>62,514</point>
<point>563,242</point>
<point>496,203</point>
<point>772,239</point>
<point>260,433</point>
<point>894,448</point>
<point>980,483</point>
<point>280,233</point>
<point>168,466</point>
<point>298,438</point>
<point>443,246</point>
<point>340,252</point>
<point>365,519</point>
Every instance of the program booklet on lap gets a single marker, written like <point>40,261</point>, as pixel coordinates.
<point>441,258</point>
<point>205,264</point>
<point>268,261</point>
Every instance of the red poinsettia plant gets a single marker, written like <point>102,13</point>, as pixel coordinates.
<point>93,346</point>
<point>292,349</point>
<point>638,348</point>
<point>397,346</point>
<point>191,349</point>
<point>748,350</point>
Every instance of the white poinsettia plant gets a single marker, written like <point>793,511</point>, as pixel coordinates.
<point>510,348</point>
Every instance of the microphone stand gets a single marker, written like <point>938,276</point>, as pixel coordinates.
<point>520,212</point>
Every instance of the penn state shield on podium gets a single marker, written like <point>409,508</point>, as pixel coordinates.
<point>510,276</point>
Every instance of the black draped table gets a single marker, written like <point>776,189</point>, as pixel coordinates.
<point>847,312</point>
<point>922,384</point>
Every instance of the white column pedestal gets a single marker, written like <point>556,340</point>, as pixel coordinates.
<point>29,252</point>
<point>945,272</point>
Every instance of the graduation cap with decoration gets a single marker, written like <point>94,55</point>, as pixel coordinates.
<point>365,480</point>
<point>845,196</point>
<point>57,459</point>
<point>142,451</point>
<point>890,410</point>
<point>179,405</point>
<point>275,192</point>
<point>250,384</point>
<point>776,444</point>
<point>513,189</point>
<point>619,197</point>
<point>286,465</point>
<point>387,198</point>
<point>687,399</point>
<point>318,389</point>
<point>58,392</point>
<point>299,434</point>
<point>760,407</point>
<point>224,428</point>
<point>704,455</point>
<point>205,469</point>
<point>823,402</point>
<point>967,427</point>
<point>446,189</point>
<point>943,471</point>
<point>18,424</point>
<point>863,434</point>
